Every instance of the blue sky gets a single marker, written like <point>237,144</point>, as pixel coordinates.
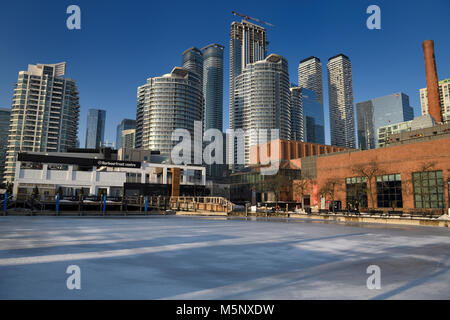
<point>122,43</point>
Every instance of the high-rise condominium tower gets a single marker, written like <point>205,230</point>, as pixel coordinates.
<point>340,96</point>
<point>193,61</point>
<point>44,114</point>
<point>95,129</point>
<point>165,103</point>
<point>248,44</point>
<point>310,76</point>
<point>213,86</point>
<point>263,99</point>
<point>444,95</point>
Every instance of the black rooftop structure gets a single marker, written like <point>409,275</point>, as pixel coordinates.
<point>310,58</point>
<point>340,55</point>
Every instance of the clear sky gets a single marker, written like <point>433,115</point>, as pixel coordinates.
<point>122,43</point>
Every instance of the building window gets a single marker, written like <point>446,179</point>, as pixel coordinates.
<point>389,191</point>
<point>356,191</point>
<point>428,189</point>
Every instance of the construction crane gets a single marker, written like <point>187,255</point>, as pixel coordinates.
<point>250,18</point>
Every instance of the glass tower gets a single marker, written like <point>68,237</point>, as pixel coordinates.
<point>125,124</point>
<point>313,117</point>
<point>95,129</point>
<point>213,86</point>
<point>379,112</point>
<point>297,131</point>
<point>193,61</point>
<point>5,116</point>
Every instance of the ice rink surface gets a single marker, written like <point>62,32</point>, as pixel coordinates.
<point>215,258</point>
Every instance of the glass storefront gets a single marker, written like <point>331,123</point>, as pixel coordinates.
<point>389,191</point>
<point>428,189</point>
<point>356,191</point>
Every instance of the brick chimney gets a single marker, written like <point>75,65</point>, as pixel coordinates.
<point>434,100</point>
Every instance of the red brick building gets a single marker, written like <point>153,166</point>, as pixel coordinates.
<point>291,150</point>
<point>414,177</point>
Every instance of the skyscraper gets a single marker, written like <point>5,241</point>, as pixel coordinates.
<point>165,103</point>
<point>193,61</point>
<point>379,112</point>
<point>444,94</point>
<point>340,96</point>
<point>213,86</point>
<point>5,117</point>
<point>45,113</point>
<point>248,44</point>
<point>313,117</point>
<point>297,130</point>
<point>95,128</point>
<point>262,99</point>
<point>310,76</point>
<point>125,124</point>
<point>213,96</point>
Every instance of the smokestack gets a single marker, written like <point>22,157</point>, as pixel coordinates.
<point>434,99</point>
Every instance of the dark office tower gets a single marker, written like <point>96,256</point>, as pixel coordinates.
<point>5,116</point>
<point>95,129</point>
<point>296,114</point>
<point>193,62</point>
<point>379,112</point>
<point>213,86</point>
<point>125,124</point>
<point>434,100</point>
<point>313,117</point>
<point>248,44</point>
<point>213,97</point>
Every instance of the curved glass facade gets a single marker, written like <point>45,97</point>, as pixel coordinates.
<point>213,86</point>
<point>193,61</point>
<point>173,101</point>
<point>263,99</point>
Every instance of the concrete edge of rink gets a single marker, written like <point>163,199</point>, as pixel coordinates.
<point>443,221</point>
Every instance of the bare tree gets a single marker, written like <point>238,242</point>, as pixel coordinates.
<point>301,186</point>
<point>369,171</point>
<point>329,188</point>
<point>276,184</point>
<point>427,166</point>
